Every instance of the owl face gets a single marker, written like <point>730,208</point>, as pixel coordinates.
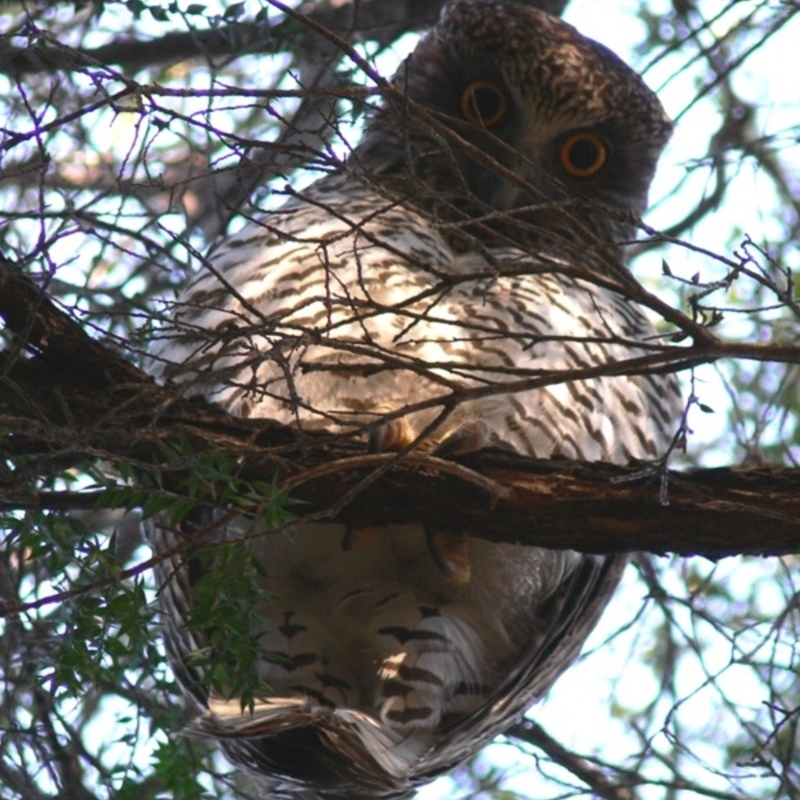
<point>522,114</point>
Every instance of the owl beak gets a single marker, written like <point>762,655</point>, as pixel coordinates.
<point>505,195</point>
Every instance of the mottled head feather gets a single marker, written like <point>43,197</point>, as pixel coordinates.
<point>557,82</point>
<point>556,68</point>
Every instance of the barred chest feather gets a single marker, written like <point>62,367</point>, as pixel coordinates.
<point>342,307</point>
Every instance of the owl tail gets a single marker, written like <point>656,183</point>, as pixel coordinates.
<point>341,752</point>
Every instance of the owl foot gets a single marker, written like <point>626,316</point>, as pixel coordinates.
<point>359,537</point>
<point>450,552</point>
<point>393,436</point>
<point>468,437</point>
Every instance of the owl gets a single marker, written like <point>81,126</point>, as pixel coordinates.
<point>456,283</point>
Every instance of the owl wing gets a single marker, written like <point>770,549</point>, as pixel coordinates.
<point>563,624</point>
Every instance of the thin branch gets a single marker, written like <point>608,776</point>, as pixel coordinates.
<point>600,785</point>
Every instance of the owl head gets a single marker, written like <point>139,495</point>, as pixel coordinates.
<point>505,114</point>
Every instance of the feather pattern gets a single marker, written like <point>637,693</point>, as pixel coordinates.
<point>400,300</point>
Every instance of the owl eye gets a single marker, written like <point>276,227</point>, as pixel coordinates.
<point>583,155</point>
<point>484,103</point>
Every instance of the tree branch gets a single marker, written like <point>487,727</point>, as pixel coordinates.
<point>380,21</point>
<point>601,786</point>
<point>66,399</point>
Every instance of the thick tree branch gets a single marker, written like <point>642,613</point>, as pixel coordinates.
<point>67,399</point>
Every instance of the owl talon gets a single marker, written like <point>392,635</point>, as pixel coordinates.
<point>358,537</point>
<point>392,436</point>
<point>466,438</point>
<point>450,552</point>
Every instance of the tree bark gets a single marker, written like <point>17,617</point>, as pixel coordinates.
<point>67,399</point>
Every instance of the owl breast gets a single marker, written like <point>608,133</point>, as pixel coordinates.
<point>336,323</point>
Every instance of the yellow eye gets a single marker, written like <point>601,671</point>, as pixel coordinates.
<point>583,155</point>
<point>484,103</point>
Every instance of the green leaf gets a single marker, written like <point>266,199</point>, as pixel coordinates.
<point>136,7</point>
<point>233,11</point>
<point>154,504</point>
<point>180,509</point>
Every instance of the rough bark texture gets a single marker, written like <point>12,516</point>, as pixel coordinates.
<point>66,399</point>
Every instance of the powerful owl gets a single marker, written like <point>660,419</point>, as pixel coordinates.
<point>456,283</point>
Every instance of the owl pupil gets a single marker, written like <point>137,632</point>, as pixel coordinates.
<point>486,103</point>
<point>583,154</point>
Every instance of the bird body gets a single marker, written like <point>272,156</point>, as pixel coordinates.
<point>441,294</point>
<point>333,320</point>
